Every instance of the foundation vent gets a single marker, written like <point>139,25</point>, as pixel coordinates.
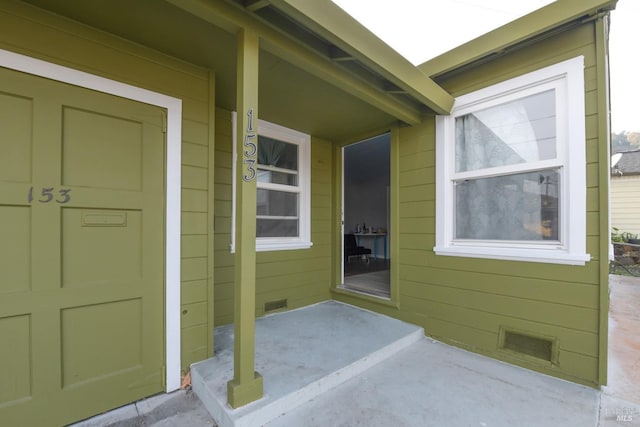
<point>540,348</point>
<point>276,305</point>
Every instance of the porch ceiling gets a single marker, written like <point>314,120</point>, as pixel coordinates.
<point>298,88</point>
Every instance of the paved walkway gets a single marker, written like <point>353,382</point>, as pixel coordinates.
<point>177,409</point>
<point>624,338</point>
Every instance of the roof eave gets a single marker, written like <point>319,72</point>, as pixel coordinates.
<point>330,21</point>
<point>529,26</point>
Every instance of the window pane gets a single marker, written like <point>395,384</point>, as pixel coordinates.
<point>277,203</point>
<point>277,227</point>
<point>521,207</point>
<point>277,177</point>
<point>280,154</point>
<point>519,131</point>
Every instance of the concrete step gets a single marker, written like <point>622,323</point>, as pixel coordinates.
<point>301,354</point>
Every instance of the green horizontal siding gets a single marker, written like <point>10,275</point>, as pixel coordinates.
<point>465,301</point>
<point>195,222</point>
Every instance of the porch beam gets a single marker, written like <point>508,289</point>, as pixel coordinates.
<point>246,385</point>
<point>391,88</point>
<point>254,5</point>
<point>328,20</point>
<point>231,18</point>
<point>338,55</point>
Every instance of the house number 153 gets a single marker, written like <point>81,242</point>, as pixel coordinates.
<point>49,194</point>
<point>250,149</point>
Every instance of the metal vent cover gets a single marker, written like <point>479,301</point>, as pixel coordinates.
<point>529,344</point>
<point>275,305</point>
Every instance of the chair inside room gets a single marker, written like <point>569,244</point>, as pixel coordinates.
<point>352,249</point>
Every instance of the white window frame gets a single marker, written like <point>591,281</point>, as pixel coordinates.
<point>567,78</point>
<point>303,141</point>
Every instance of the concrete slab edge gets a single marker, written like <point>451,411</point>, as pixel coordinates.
<point>273,410</point>
<point>219,413</point>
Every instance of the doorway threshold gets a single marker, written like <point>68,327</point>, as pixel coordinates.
<point>381,294</point>
<point>374,283</point>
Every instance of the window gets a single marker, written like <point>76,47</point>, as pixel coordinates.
<point>511,170</point>
<point>283,216</point>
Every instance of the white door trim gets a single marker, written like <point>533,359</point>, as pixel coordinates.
<point>52,71</point>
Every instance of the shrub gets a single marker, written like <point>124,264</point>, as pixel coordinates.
<point>624,237</point>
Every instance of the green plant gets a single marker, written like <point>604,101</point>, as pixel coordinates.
<point>615,235</point>
<point>622,237</point>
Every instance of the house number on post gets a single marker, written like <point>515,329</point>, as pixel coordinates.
<point>250,150</point>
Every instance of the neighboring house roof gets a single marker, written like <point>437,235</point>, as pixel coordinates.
<point>629,164</point>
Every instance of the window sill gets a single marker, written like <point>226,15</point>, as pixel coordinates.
<point>550,256</point>
<point>281,246</point>
<point>278,246</point>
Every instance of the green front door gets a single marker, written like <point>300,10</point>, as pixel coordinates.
<point>81,251</point>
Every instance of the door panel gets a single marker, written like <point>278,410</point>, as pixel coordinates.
<point>101,247</point>
<point>14,258</point>
<point>16,123</point>
<point>91,157</point>
<point>88,334</point>
<point>81,251</point>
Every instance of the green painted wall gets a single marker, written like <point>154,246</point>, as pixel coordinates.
<point>465,301</point>
<point>460,301</point>
<point>32,32</point>
<point>300,276</point>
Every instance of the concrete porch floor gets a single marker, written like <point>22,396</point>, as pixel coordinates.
<point>371,370</point>
<point>301,354</point>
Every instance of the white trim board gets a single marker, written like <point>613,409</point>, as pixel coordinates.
<point>173,106</point>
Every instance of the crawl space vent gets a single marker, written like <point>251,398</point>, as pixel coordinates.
<point>526,344</point>
<point>275,305</point>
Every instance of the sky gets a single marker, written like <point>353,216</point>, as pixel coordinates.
<point>406,24</point>
<point>624,62</point>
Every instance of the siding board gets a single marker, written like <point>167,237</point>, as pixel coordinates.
<point>193,291</point>
<point>194,177</point>
<point>192,348</point>
<point>585,343</point>
<point>193,245</point>
<point>625,203</point>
